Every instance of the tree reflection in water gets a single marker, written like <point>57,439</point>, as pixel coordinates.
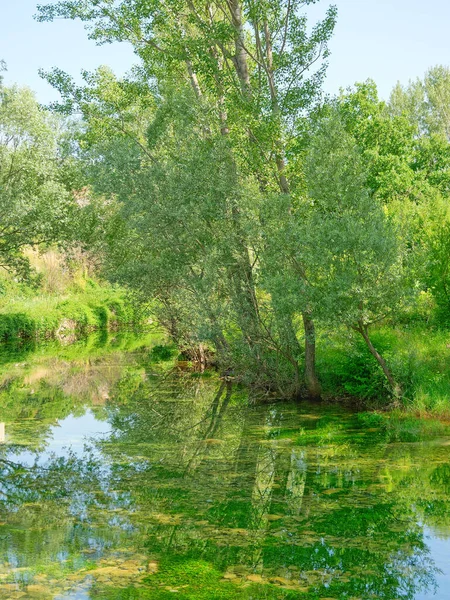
<point>197,492</point>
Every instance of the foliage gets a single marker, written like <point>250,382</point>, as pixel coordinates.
<point>67,302</point>
<point>218,93</point>
<point>224,109</point>
<point>34,202</point>
<point>65,316</point>
<point>425,102</point>
<point>253,214</point>
<point>416,352</point>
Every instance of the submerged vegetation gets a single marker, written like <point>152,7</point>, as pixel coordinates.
<point>181,488</point>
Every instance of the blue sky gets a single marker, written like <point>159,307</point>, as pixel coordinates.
<point>386,40</point>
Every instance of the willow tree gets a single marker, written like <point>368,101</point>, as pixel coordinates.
<point>356,258</point>
<point>253,69</point>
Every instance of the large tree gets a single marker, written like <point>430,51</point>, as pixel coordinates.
<point>426,101</point>
<point>253,68</point>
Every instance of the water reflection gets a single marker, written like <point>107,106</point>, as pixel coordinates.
<point>139,481</point>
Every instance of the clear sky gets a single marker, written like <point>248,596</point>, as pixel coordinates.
<point>386,40</point>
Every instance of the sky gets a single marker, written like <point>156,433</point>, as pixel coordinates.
<point>385,40</point>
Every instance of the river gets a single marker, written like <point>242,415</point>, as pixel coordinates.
<point>125,478</point>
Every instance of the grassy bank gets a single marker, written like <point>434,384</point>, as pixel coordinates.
<point>419,357</point>
<point>68,315</point>
<point>63,300</point>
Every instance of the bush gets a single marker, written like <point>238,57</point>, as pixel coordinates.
<point>418,355</point>
<point>163,353</point>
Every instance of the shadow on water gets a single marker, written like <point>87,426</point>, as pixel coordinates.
<point>122,478</point>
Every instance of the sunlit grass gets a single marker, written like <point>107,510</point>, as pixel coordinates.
<point>419,357</point>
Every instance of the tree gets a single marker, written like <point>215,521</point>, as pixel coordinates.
<point>355,258</point>
<point>426,102</point>
<point>251,72</point>
<point>408,171</point>
<point>34,203</point>
<point>2,68</point>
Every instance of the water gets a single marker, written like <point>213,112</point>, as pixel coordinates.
<point>121,478</point>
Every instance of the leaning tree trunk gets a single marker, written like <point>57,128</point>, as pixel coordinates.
<point>394,385</point>
<point>312,382</point>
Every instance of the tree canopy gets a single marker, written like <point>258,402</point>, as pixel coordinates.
<point>220,184</point>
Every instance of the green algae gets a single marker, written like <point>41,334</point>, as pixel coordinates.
<point>183,489</point>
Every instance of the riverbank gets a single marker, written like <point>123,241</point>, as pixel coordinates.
<point>419,356</point>
<point>67,316</point>
<point>63,298</point>
<point>417,353</point>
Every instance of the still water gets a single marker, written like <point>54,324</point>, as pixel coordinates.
<point>122,477</point>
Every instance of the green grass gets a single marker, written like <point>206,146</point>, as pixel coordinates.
<point>65,315</point>
<point>63,299</point>
<point>419,357</point>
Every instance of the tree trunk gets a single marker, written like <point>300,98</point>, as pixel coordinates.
<point>312,382</point>
<point>240,57</point>
<point>194,80</point>
<point>395,387</point>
